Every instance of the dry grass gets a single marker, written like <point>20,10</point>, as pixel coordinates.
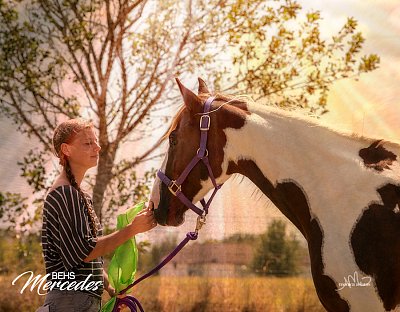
<point>198,294</point>
<point>12,301</point>
<point>195,294</point>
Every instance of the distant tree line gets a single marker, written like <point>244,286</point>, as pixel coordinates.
<point>277,253</point>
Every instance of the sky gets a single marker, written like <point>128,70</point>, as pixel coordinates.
<point>369,106</point>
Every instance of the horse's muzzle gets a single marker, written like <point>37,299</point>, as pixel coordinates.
<point>161,215</point>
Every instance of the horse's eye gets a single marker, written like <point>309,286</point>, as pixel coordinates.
<point>172,138</point>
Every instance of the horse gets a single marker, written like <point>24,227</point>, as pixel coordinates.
<point>342,191</point>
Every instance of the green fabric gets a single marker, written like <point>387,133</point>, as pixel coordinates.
<point>122,268</point>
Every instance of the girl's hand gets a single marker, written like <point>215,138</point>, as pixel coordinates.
<point>111,291</point>
<point>144,220</point>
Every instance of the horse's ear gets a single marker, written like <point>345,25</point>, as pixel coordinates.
<point>191,100</point>
<point>202,86</point>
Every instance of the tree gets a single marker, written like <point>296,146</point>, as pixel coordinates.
<point>241,238</point>
<point>277,253</point>
<point>284,60</point>
<point>113,61</point>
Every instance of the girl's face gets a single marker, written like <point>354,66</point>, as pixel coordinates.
<point>84,149</point>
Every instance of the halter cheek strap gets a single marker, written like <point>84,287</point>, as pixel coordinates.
<point>175,186</point>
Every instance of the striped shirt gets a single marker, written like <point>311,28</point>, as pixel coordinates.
<point>67,240</point>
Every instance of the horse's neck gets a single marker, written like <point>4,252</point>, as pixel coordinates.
<point>288,147</point>
<point>278,142</point>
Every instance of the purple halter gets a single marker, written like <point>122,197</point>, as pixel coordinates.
<point>202,154</point>
<point>175,188</point>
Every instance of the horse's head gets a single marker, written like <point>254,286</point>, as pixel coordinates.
<point>184,142</point>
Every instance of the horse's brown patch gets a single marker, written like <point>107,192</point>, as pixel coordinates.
<point>377,157</point>
<point>292,202</point>
<point>170,210</point>
<point>375,241</point>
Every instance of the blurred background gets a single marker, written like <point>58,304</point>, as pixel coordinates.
<point>353,45</point>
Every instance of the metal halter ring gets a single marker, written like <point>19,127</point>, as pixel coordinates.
<point>198,150</point>
<point>173,184</point>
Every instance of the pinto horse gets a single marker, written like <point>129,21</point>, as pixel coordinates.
<point>341,191</point>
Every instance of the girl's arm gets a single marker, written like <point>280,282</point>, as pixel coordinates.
<point>143,222</point>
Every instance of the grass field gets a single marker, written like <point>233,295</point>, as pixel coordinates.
<point>197,294</point>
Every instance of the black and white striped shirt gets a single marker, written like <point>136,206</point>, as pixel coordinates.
<point>67,240</point>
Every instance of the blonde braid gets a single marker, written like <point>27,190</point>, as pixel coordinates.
<point>88,205</point>
<point>64,133</point>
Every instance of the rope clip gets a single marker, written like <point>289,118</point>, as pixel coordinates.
<point>201,220</point>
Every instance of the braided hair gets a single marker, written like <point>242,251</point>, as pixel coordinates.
<point>64,133</point>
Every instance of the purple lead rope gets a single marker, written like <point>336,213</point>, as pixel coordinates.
<point>131,302</point>
<point>175,189</point>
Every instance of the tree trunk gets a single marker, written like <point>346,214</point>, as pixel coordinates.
<point>104,176</point>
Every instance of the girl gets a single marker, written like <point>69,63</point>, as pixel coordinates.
<point>72,238</point>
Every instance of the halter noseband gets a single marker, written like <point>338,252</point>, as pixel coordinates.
<point>174,186</point>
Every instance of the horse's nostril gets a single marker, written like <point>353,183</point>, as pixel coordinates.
<point>160,216</point>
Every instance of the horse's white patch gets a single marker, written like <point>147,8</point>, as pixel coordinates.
<point>326,165</point>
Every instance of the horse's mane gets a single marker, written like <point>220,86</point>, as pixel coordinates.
<point>241,102</point>
<point>314,121</point>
